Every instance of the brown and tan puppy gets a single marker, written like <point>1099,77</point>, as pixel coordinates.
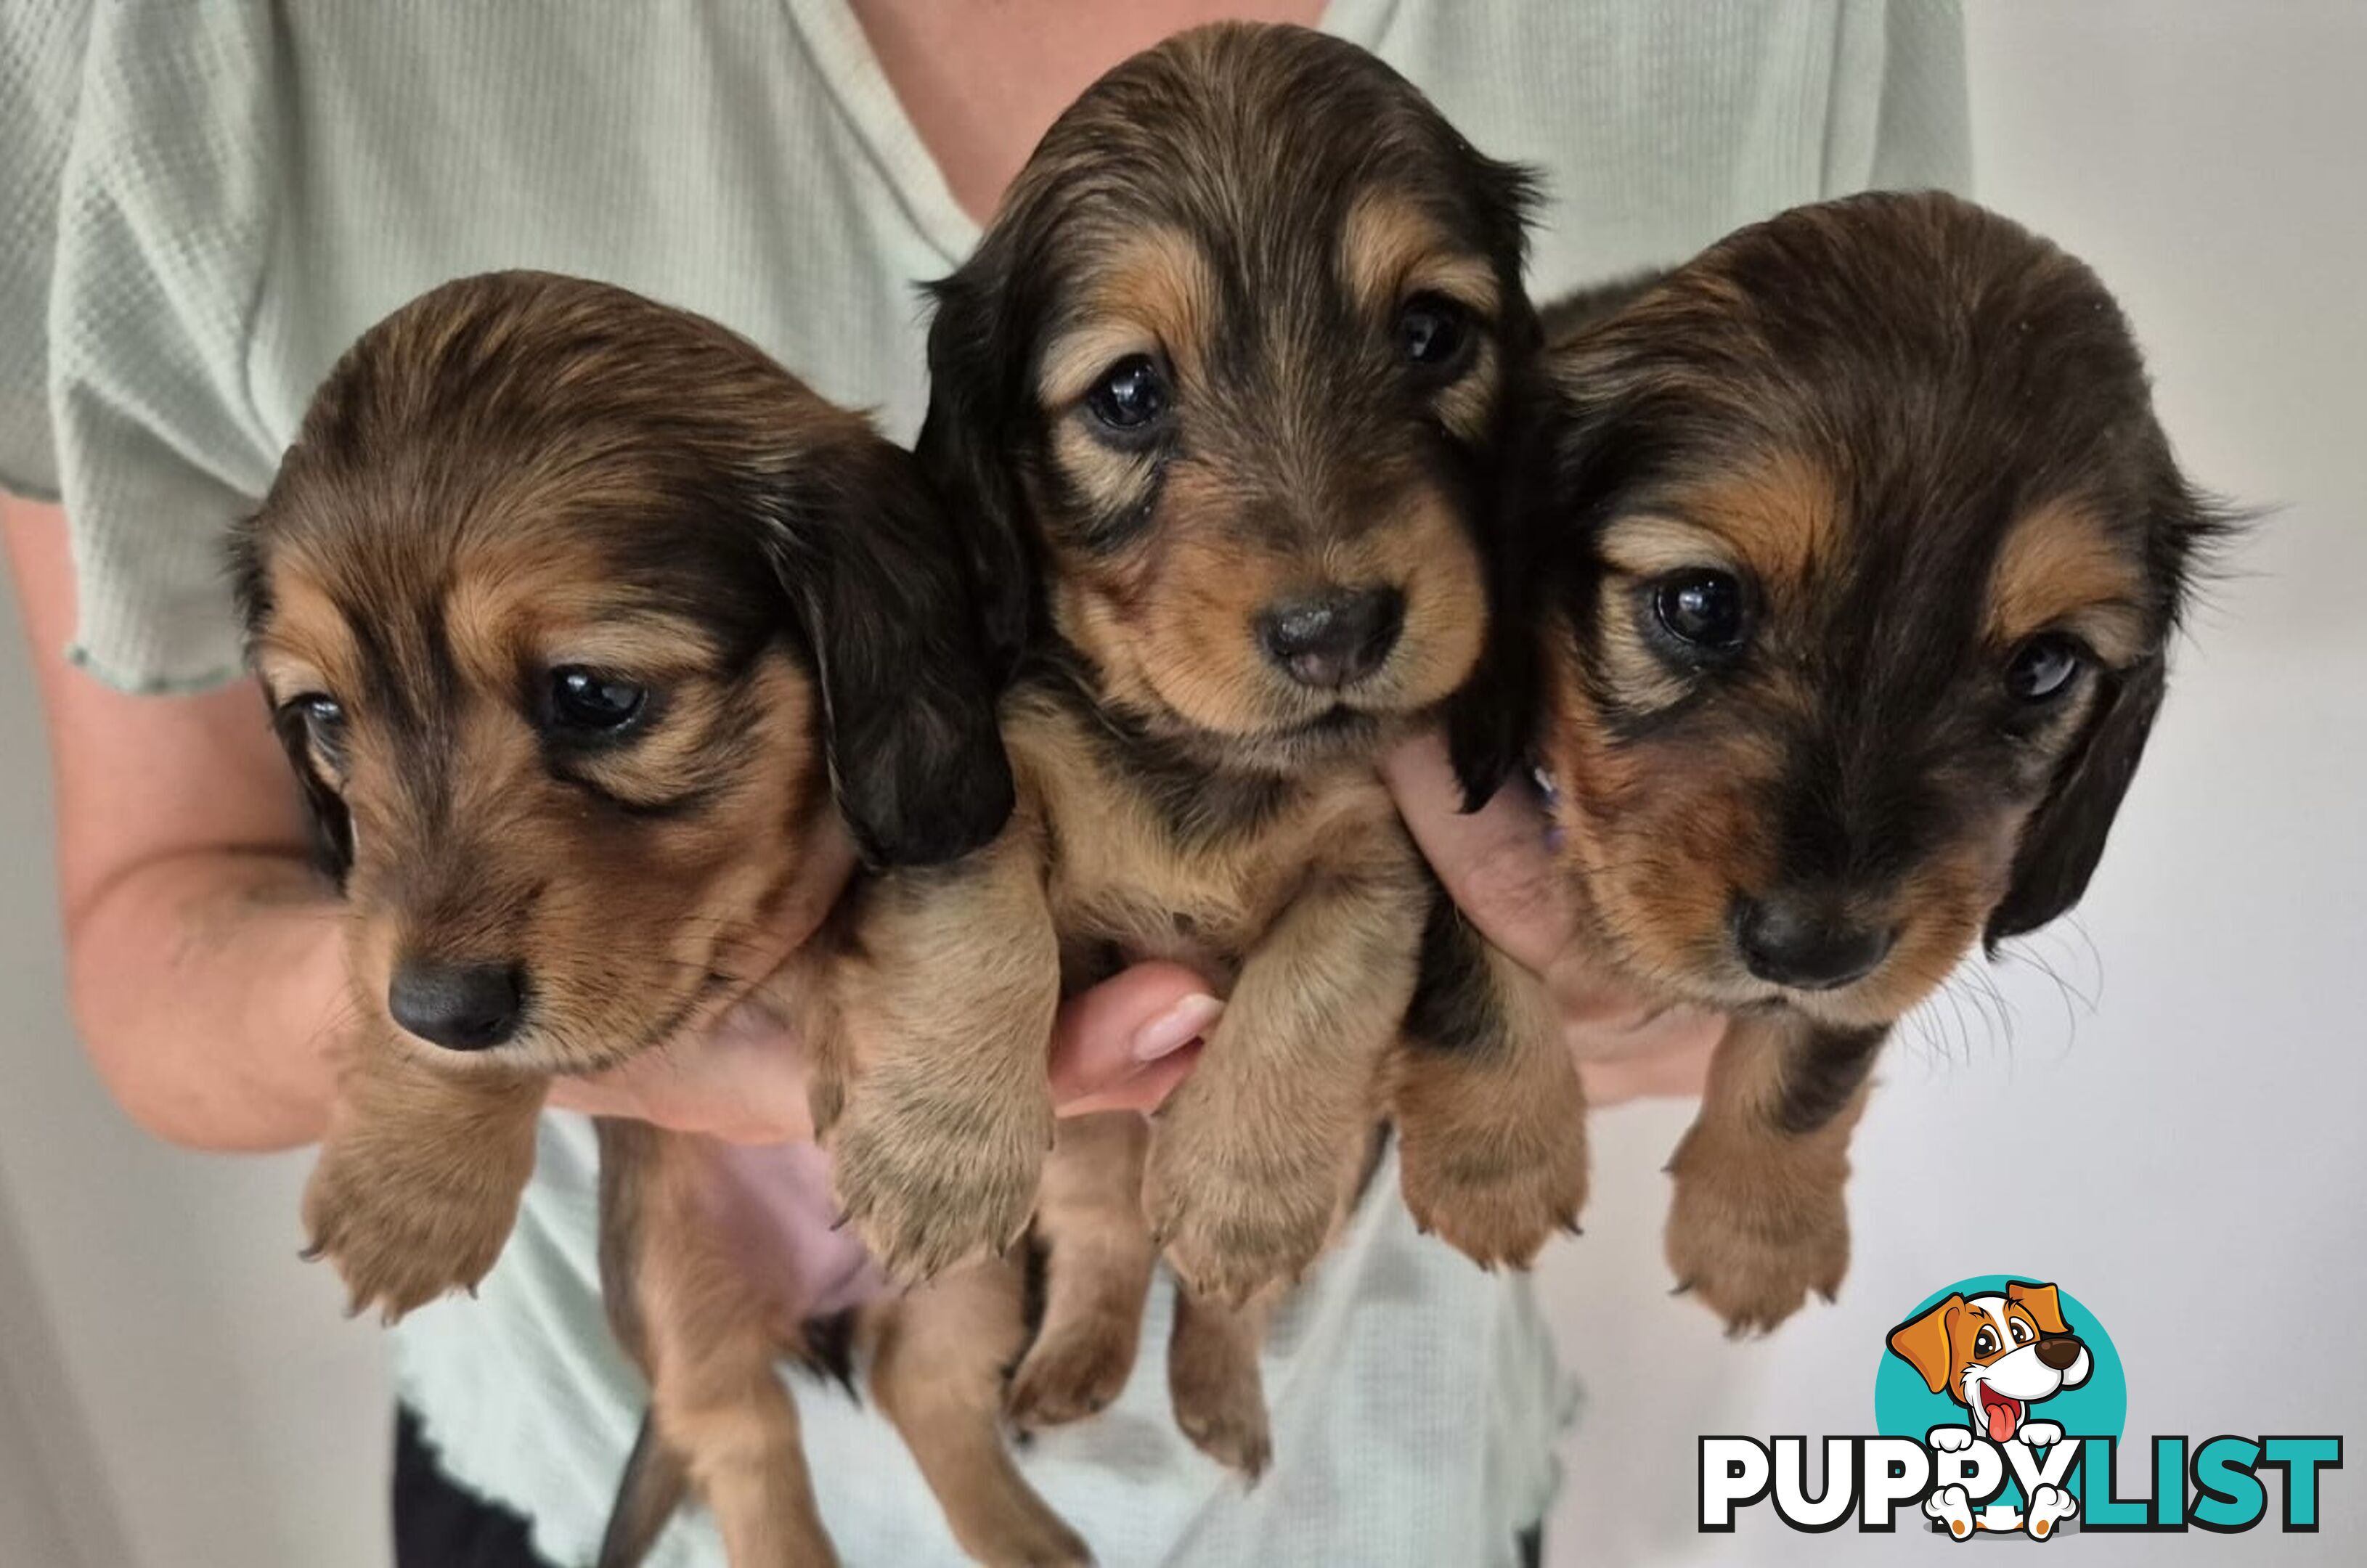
<point>589,629</point>
<point>1223,389</point>
<point>1855,557</point>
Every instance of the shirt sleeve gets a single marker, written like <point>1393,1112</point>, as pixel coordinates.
<point>163,222</point>
<point>40,71</point>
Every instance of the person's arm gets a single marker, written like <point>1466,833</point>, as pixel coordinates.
<point>205,957</point>
<point>202,953</point>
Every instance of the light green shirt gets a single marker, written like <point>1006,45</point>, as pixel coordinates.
<point>205,203</point>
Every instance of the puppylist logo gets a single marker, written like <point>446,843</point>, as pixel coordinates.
<point>1999,1407</point>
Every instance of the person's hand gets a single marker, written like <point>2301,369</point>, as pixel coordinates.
<point>1122,1046</point>
<point>1126,1044</point>
<point>1495,864</point>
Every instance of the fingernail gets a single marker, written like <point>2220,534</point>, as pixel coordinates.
<point>1177,1027</point>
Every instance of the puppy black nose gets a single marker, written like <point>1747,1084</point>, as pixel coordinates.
<point>2059,1350</point>
<point>1805,943</point>
<point>462,1007</point>
<point>1333,637</point>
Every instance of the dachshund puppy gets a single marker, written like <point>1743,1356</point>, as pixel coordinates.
<point>1857,548</point>
<point>587,628</point>
<point>1223,389</point>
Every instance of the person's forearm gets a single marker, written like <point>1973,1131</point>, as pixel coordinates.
<point>210,987</point>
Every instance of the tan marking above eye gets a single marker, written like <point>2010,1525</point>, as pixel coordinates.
<point>1645,545</point>
<point>2061,570</point>
<point>543,599</point>
<point>649,649</point>
<point>1637,549</point>
<point>306,645</point>
<point>1153,293</point>
<point>1777,518</point>
<point>1076,360</point>
<point>286,677</point>
<point>1391,249</point>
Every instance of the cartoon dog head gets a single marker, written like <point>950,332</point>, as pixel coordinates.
<point>1995,1355</point>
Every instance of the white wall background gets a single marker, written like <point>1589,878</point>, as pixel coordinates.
<point>2187,1156</point>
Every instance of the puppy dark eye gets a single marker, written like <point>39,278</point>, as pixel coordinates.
<point>1434,333</point>
<point>323,718</point>
<point>2044,668</point>
<point>1704,609</point>
<point>590,702</point>
<point>1985,1343</point>
<point>2020,1331</point>
<point>1131,396</point>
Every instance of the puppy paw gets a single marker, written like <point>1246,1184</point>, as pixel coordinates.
<point>2039,1434</point>
<point>929,1181</point>
<point>1219,1402</point>
<point>1015,1528</point>
<point>1232,1432</point>
<point>1071,1372</point>
<point>1752,1251</point>
<point>1229,1219</point>
<point>401,1234</point>
<point>2049,1506</point>
<point>1953,1506</point>
<point>1950,1440</point>
<point>1496,1194</point>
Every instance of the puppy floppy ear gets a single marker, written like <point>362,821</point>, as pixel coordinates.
<point>1924,1344</point>
<point>1491,721</point>
<point>980,404</point>
<point>2065,837</point>
<point>916,759</point>
<point>2042,1302</point>
<point>1508,197</point>
<point>1567,448</point>
<point>330,826</point>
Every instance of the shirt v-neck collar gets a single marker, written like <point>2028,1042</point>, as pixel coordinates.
<point>843,57</point>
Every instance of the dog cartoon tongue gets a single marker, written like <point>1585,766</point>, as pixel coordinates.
<point>2002,1412</point>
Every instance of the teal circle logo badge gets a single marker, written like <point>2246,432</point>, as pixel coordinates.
<point>2012,1361</point>
<point>1999,1407</point>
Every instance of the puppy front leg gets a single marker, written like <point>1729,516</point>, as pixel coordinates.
<point>944,1005</point>
<point>937,1361</point>
<point>1491,1119</point>
<point>417,1183</point>
<point>1759,1218</point>
<point>1098,1264</point>
<point>1254,1156</point>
